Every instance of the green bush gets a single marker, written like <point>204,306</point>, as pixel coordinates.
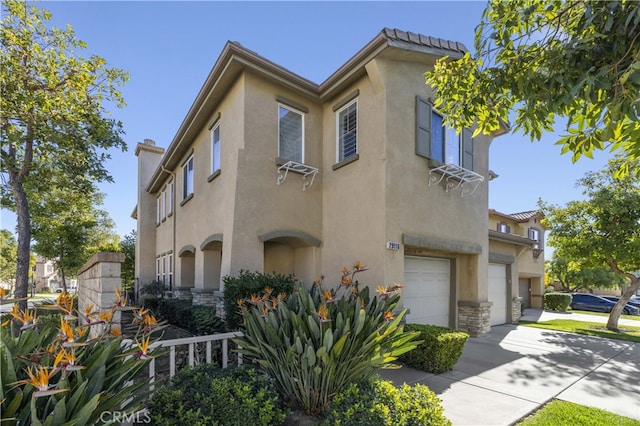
<point>314,344</point>
<point>557,301</point>
<point>439,351</point>
<point>207,395</point>
<point>379,402</point>
<point>248,284</point>
<point>199,320</point>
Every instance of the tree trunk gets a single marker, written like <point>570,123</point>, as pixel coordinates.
<point>612,324</point>
<point>64,281</point>
<point>24,242</point>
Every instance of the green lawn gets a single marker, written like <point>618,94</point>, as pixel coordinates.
<point>597,329</point>
<point>558,413</point>
<point>603,314</point>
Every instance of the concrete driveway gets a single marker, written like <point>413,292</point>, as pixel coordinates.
<point>512,371</point>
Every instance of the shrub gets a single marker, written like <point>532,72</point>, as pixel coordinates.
<point>152,304</point>
<point>439,351</point>
<point>206,395</point>
<point>54,373</point>
<point>314,344</point>
<point>379,402</point>
<point>557,301</point>
<point>199,320</point>
<point>251,283</point>
<point>154,289</point>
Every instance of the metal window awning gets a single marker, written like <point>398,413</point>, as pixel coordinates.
<point>456,178</point>
<point>298,168</point>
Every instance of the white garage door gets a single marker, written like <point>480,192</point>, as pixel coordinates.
<point>498,293</point>
<point>427,290</point>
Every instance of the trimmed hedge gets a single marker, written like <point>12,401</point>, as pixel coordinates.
<point>440,350</point>
<point>379,402</point>
<point>199,320</point>
<point>208,395</point>
<point>557,301</point>
<point>251,283</point>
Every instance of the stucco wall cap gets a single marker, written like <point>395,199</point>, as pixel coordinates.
<point>102,257</point>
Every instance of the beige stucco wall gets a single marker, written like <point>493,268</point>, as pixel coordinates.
<point>414,207</point>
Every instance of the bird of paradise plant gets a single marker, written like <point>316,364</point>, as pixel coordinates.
<point>318,342</point>
<point>47,365</point>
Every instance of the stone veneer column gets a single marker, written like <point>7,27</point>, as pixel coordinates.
<point>98,280</point>
<point>183,293</point>
<point>474,317</point>
<point>209,297</point>
<point>516,312</point>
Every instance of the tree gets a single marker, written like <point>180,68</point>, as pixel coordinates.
<point>128,247</point>
<point>68,228</point>
<point>603,229</point>
<point>573,276</point>
<point>547,59</point>
<point>51,114</point>
<point>8,250</point>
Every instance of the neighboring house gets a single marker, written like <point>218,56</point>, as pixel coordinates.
<point>272,172</point>
<point>45,277</point>
<point>516,251</point>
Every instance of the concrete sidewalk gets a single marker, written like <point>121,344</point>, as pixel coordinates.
<point>512,371</point>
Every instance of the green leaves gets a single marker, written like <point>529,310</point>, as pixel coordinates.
<point>545,61</point>
<point>315,343</point>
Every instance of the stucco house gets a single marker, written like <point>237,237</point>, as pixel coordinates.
<point>272,172</point>
<point>516,251</point>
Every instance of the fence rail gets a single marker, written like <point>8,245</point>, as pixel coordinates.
<point>200,350</point>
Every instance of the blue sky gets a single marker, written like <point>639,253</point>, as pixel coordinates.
<point>170,47</point>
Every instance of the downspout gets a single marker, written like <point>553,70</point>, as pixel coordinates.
<point>175,213</point>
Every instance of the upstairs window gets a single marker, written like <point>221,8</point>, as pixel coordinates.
<point>158,210</point>
<point>187,178</point>
<point>171,190</point>
<point>347,127</point>
<point>215,149</point>
<point>290,134</point>
<point>440,143</point>
<point>536,235</point>
<point>504,228</point>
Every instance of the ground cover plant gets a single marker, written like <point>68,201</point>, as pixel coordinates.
<point>315,343</point>
<point>206,395</point>
<point>626,333</point>
<point>56,370</point>
<point>378,402</point>
<point>567,413</point>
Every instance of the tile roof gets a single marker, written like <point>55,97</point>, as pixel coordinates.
<point>423,40</point>
<point>525,216</point>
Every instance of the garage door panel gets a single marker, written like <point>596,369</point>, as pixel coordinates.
<point>498,293</point>
<point>427,290</point>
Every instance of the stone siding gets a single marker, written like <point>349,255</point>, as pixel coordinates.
<point>474,317</point>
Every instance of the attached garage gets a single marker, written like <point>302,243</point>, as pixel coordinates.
<point>427,291</point>
<point>498,294</point>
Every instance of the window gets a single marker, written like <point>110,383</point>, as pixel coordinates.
<point>290,134</point>
<point>164,269</point>
<point>158,268</point>
<point>170,267</point>
<point>347,127</point>
<point>158,211</point>
<point>215,149</point>
<point>440,143</point>
<point>534,234</point>
<point>504,228</point>
<point>171,198</point>
<point>187,178</point>
<point>164,204</point>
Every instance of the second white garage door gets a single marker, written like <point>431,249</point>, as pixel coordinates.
<point>427,291</point>
<point>498,293</point>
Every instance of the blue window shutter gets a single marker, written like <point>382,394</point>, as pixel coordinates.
<point>423,127</point>
<point>467,149</point>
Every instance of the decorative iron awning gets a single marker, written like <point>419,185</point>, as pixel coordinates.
<point>298,168</point>
<point>456,178</point>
